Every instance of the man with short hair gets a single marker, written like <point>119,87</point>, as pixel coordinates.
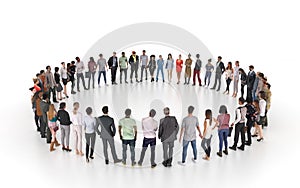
<point>188,132</point>
<point>101,63</point>
<point>45,103</point>
<point>251,82</point>
<point>123,67</point>
<point>197,70</point>
<point>108,131</point>
<point>80,70</point>
<point>167,132</point>
<point>128,135</point>
<point>134,63</point>
<point>220,68</point>
<point>149,126</point>
<point>50,84</point>
<point>144,63</point>
<point>113,66</point>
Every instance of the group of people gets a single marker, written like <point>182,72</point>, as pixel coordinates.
<point>252,111</point>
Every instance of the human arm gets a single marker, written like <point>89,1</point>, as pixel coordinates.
<point>200,134</point>
<point>135,132</point>
<point>238,119</point>
<point>181,133</point>
<point>120,132</point>
<point>113,128</point>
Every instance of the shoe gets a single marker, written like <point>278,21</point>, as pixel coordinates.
<point>163,80</point>
<point>156,80</point>
<point>218,90</point>
<point>120,82</point>
<point>247,143</point>
<point>55,101</point>
<point>194,160</point>
<point>78,90</point>
<point>219,154</point>
<point>81,153</point>
<point>118,161</point>
<point>64,149</point>
<point>73,92</point>
<point>131,81</point>
<point>169,162</point>
<point>141,80</point>
<point>67,96</point>
<point>77,152</point>
<point>86,88</point>
<point>181,163</point>
<point>254,135</point>
<point>106,162</point>
<point>224,92</point>
<point>43,136</point>
<point>232,148</point>
<point>87,160</point>
<point>153,166</point>
<point>139,163</point>
<point>165,163</point>
<point>38,129</point>
<point>133,163</point>
<point>184,83</point>
<point>68,149</point>
<point>52,147</point>
<point>91,157</point>
<point>137,81</point>
<point>123,162</point>
<point>241,148</point>
<point>126,82</point>
<point>56,143</point>
<point>260,139</point>
<point>212,88</point>
<point>193,84</point>
<point>225,152</point>
<point>205,158</point>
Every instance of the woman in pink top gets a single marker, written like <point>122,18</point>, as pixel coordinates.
<point>179,63</point>
<point>92,70</point>
<point>223,129</point>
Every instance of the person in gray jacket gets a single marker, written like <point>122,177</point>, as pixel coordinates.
<point>45,103</point>
<point>167,132</point>
<point>108,131</point>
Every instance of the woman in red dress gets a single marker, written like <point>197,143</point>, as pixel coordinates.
<point>179,63</point>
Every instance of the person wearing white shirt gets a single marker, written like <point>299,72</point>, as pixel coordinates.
<point>80,70</point>
<point>144,64</point>
<point>236,77</point>
<point>239,123</point>
<point>64,77</point>
<point>149,126</point>
<point>77,122</point>
<point>89,124</point>
<point>262,114</point>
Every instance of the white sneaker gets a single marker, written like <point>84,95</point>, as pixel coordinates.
<point>194,160</point>
<point>181,163</point>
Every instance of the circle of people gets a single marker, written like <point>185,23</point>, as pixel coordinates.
<point>251,112</point>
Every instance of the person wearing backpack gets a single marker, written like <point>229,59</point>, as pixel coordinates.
<point>239,123</point>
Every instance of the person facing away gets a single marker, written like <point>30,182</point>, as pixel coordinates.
<point>45,103</point>
<point>92,66</point>
<point>89,124</point>
<point>144,64</point>
<point>160,68</point>
<point>207,133</point>
<point>188,133</point>
<point>123,63</point>
<point>152,67</point>
<point>128,135</point>
<point>209,69</point>
<point>223,129</point>
<point>197,70</point>
<point>101,63</point>
<point>220,69</point>
<point>77,123</point>
<point>107,133</point>
<point>167,132</point>
<point>250,115</point>
<point>64,118</point>
<point>250,82</point>
<point>149,126</point>
<point>80,69</point>
<point>72,71</point>
<point>239,124</point>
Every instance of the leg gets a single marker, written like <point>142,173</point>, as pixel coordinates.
<point>113,149</point>
<point>80,139</point>
<point>208,142</point>
<point>198,75</point>
<point>132,147</point>
<point>93,141</point>
<point>209,76</point>
<point>131,71</point>
<point>152,158</point>
<point>124,153</point>
<point>62,135</point>
<point>99,77</point>
<point>36,119</point>
<point>136,72</point>
<point>226,131</point>
<point>215,84</point>
<point>221,135</point>
<point>194,149</point>
<point>87,146</point>
<point>89,81</point>
<point>184,150</point>
<point>162,73</point>
<point>194,77</point>
<point>142,70</point>
<point>49,135</point>
<point>121,73</point>
<point>93,77</point>
<point>125,72</point>
<point>105,148</point>
<point>78,81</point>
<point>243,134</point>
<point>219,80</point>
<point>142,155</point>
<point>75,132</point>
<point>165,151</point>
<point>67,129</point>
<point>236,135</point>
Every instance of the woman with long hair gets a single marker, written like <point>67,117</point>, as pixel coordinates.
<point>170,66</point>
<point>179,63</point>
<point>236,77</point>
<point>229,77</point>
<point>243,80</point>
<point>64,77</point>
<point>53,126</point>
<point>223,129</point>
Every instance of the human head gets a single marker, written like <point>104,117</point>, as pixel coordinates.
<point>209,60</point>
<point>152,113</point>
<point>189,55</point>
<point>133,52</point>
<point>56,69</point>
<point>42,72</point>
<point>92,59</point>
<point>169,56</point>
<point>268,85</point>
<point>63,64</point>
<point>223,109</point>
<point>256,103</point>
<point>73,62</point>
<point>251,67</point>
<point>241,100</point>
<point>144,52</point>
<point>62,105</point>
<point>198,56</point>
<point>105,109</point>
<point>229,65</point>
<point>152,57</point>
<point>261,75</point>
<point>160,56</point>
<point>114,54</point>
<point>35,80</point>
<point>37,75</point>
<point>262,95</point>
<point>219,58</point>
<point>190,109</point>
<point>179,56</point>
<point>88,110</point>
<point>241,71</point>
<point>100,55</point>
<point>123,54</point>
<point>237,63</point>
<point>208,114</point>
<point>51,111</point>
<point>77,59</point>
<point>45,96</point>
<point>249,101</point>
<point>127,112</point>
<point>76,105</point>
<point>40,94</point>
<point>167,111</point>
<point>48,68</point>
<point>68,65</point>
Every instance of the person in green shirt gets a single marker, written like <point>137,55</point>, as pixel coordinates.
<point>128,135</point>
<point>123,67</point>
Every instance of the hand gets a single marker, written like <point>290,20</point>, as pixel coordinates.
<point>121,137</point>
<point>201,136</point>
<point>232,124</point>
<point>135,138</point>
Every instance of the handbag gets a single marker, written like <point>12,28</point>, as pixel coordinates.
<point>230,131</point>
<point>55,128</point>
<point>59,88</point>
<point>87,74</point>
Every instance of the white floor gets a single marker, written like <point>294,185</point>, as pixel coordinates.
<point>27,161</point>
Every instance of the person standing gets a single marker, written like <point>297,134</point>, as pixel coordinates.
<point>149,126</point>
<point>64,118</point>
<point>113,66</point>
<point>101,63</point>
<point>77,122</point>
<point>197,70</point>
<point>262,114</point>
<point>167,132</point>
<point>59,87</point>
<point>223,129</point>
<point>50,84</point>
<point>209,69</point>
<point>39,113</point>
<point>188,132</point>
<point>260,84</point>
<point>134,63</point>
<point>243,80</point>
<point>229,77</point>
<point>236,77</point>
<point>34,108</point>
<point>152,67</point>
<point>239,124</point>
<point>123,63</point>
<point>92,70</point>
<point>267,90</point>
<point>250,82</point>
<point>52,118</point>
<point>45,103</point>
<point>72,72</point>
<point>80,70</point>
<point>207,133</point>
<point>89,124</point>
<point>250,121</point>
<point>144,64</point>
<point>169,67</point>
<point>128,135</point>
<point>108,131</point>
<point>179,63</point>
<point>160,68</point>
<point>188,70</point>
<point>220,68</point>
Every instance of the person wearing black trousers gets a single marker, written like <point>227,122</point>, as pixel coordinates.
<point>243,80</point>
<point>89,124</point>
<point>72,71</point>
<point>250,121</point>
<point>45,103</point>
<point>113,66</point>
<point>250,82</point>
<point>239,125</point>
<point>220,68</point>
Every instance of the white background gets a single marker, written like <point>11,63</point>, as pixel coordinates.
<point>34,34</point>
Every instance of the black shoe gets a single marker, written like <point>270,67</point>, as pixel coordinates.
<point>255,135</point>
<point>55,101</point>
<point>43,136</point>
<point>87,160</point>
<point>153,166</point>
<point>232,148</point>
<point>169,162</point>
<point>225,152</point>
<point>241,148</point>
<point>86,88</point>
<point>218,90</point>
<point>212,88</point>
<point>193,84</point>
<point>141,80</point>
<point>260,139</point>
<point>219,154</point>
<point>133,163</point>
<point>73,92</point>
<point>139,163</point>
<point>107,162</point>
<point>48,142</point>
<point>118,161</point>
<point>91,157</point>
<point>247,143</point>
<point>38,129</point>
<point>78,90</point>
<point>165,164</point>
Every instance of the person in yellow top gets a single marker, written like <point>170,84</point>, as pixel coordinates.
<point>188,70</point>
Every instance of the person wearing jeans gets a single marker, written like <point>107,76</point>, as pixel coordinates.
<point>209,69</point>
<point>188,132</point>
<point>77,122</point>
<point>128,135</point>
<point>149,126</point>
<point>101,63</point>
<point>89,124</point>
<point>79,70</point>
<point>65,122</point>
<point>92,70</point>
<point>167,132</point>
<point>220,68</point>
<point>108,131</point>
<point>160,68</point>
<point>123,63</point>
<point>223,129</point>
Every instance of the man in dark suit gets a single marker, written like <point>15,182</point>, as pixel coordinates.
<point>220,68</point>
<point>250,82</point>
<point>134,63</point>
<point>113,66</point>
<point>167,132</point>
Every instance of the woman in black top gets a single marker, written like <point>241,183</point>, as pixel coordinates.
<point>243,80</point>
<point>59,87</point>
<point>65,122</point>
